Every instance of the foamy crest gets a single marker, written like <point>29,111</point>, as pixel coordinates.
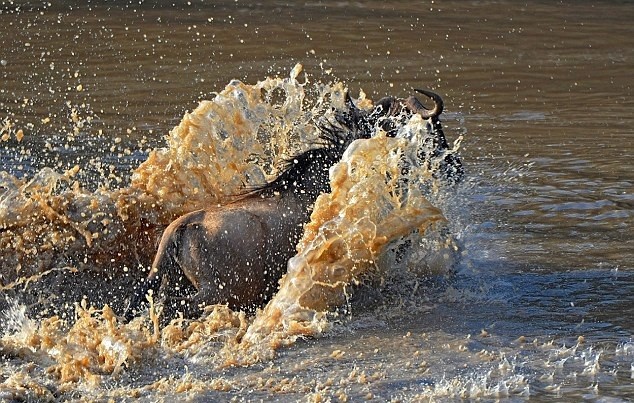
<point>16,323</point>
<point>477,386</point>
<point>94,346</point>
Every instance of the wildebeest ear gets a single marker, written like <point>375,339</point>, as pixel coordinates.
<point>350,103</point>
<point>352,116</point>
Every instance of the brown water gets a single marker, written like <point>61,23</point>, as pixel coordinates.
<point>541,302</point>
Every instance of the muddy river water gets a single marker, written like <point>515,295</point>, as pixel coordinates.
<point>538,303</point>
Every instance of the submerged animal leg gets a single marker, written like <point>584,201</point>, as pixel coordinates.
<point>164,267</point>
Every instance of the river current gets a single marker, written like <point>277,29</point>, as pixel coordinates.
<point>117,116</point>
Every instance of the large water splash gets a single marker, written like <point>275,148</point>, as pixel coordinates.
<point>235,140</point>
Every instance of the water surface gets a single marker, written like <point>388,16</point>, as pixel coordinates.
<point>541,302</point>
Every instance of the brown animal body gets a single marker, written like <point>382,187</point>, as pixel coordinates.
<point>237,253</point>
<point>233,254</point>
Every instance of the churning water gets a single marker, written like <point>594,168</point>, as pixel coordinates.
<point>99,151</point>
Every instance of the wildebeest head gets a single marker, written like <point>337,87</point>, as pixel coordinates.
<point>392,113</point>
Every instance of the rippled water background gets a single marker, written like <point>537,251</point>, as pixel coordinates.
<point>541,91</point>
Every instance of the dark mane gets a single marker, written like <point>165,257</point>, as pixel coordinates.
<point>307,172</point>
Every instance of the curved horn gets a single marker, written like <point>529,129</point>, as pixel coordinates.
<point>414,105</point>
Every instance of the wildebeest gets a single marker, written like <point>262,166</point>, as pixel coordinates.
<point>236,253</point>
